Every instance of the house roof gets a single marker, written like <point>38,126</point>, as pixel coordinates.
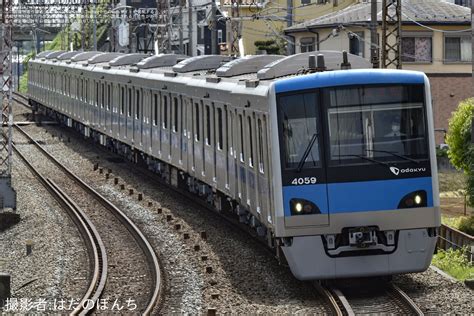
<point>422,11</point>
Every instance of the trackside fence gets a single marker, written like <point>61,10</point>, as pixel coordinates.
<point>452,238</point>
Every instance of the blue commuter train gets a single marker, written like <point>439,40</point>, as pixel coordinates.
<point>335,169</point>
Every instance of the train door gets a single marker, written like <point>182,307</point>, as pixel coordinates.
<point>184,132</point>
<point>198,140</point>
<point>103,94</point>
<point>137,118</point>
<point>241,161</point>
<point>251,165</point>
<point>263,181</point>
<point>209,143</point>
<point>155,135</point>
<point>232,152</point>
<point>146,121</point>
<point>220,167</point>
<point>121,120</point>
<point>165,127</point>
<point>176,127</point>
<point>128,116</point>
<point>190,136</point>
<point>108,106</point>
<point>87,102</point>
<point>114,106</point>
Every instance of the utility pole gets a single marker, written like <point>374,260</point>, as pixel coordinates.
<point>162,28</point>
<point>374,51</point>
<point>391,33</point>
<point>182,3</point>
<point>94,17</point>
<point>214,28</point>
<point>7,194</point>
<point>472,43</point>
<point>289,22</point>
<point>83,26</point>
<point>190,29</point>
<point>235,28</point>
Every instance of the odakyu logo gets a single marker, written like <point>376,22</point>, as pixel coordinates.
<point>396,171</point>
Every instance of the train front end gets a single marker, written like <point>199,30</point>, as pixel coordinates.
<point>355,173</point>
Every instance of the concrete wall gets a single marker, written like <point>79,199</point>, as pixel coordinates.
<point>447,91</point>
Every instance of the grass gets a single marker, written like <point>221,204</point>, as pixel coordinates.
<point>453,222</point>
<point>455,263</point>
<point>451,181</point>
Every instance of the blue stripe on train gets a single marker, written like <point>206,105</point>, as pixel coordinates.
<point>348,77</point>
<point>358,196</point>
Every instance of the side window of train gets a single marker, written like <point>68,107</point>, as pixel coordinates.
<point>87,91</point>
<point>175,117</point>
<point>261,144</point>
<point>165,112</point>
<point>220,136</point>
<point>122,101</point>
<point>155,108</point>
<point>207,124</point>
<point>230,131</point>
<point>198,121</point>
<point>96,91</point>
<point>137,104</point>
<point>129,107</point>
<point>102,92</point>
<point>109,96</point>
<point>251,141</point>
<point>242,148</point>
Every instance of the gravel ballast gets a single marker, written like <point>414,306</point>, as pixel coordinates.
<point>243,277</point>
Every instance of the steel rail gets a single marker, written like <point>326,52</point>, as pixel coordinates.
<point>405,299</point>
<point>95,246</point>
<point>99,279</point>
<point>144,244</point>
<point>396,295</point>
<point>331,301</point>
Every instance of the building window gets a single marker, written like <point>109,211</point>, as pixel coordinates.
<point>307,44</point>
<point>356,43</point>
<point>417,49</point>
<point>457,49</point>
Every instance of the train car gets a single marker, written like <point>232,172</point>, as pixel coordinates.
<point>332,163</point>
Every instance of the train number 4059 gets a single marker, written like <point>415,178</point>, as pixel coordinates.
<point>303,181</point>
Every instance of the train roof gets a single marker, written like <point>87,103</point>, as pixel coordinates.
<point>212,67</point>
<point>248,72</point>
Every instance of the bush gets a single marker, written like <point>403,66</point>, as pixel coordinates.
<point>466,225</point>
<point>461,151</point>
<point>441,152</point>
<point>455,263</point>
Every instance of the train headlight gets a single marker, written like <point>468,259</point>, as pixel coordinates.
<point>303,207</point>
<point>414,199</point>
<point>298,207</point>
<point>418,199</point>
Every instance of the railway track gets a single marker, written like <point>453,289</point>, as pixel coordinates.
<point>371,296</point>
<point>339,300</point>
<point>120,240</point>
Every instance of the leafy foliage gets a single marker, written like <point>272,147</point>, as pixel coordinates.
<point>466,225</point>
<point>455,263</point>
<point>461,151</point>
<point>270,46</point>
<point>462,223</point>
<point>103,21</point>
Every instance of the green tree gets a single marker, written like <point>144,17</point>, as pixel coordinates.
<point>276,46</point>
<point>461,151</point>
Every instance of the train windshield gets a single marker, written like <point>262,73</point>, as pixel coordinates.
<point>299,120</point>
<point>368,124</point>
